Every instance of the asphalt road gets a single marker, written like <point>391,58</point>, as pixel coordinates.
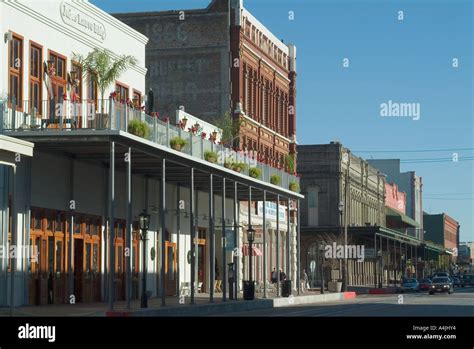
<point>461,303</point>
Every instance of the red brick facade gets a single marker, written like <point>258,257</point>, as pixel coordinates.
<point>263,91</point>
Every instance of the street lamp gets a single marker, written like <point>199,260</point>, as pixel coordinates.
<point>344,275</point>
<point>321,250</point>
<point>249,285</point>
<point>379,257</point>
<point>251,239</point>
<point>144,219</point>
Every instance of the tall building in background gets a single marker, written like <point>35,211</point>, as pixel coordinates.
<point>442,229</point>
<point>214,61</point>
<point>407,182</point>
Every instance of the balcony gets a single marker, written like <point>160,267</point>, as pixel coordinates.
<point>75,117</point>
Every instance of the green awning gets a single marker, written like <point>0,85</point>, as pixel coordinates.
<point>402,217</point>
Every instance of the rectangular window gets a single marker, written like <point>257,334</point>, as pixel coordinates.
<point>134,260</point>
<point>122,91</point>
<point>95,258</point>
<point>58,224</point>
<point>15,71</point>
<point>119,230</point>
<point>137,98</point>
<point>76,77</point>
<point>36,78</point>
<point>92,90</point>
<point>88,257</point>
<point>58,80</point>
<point>51,250</point>
<point>119,259</point>
<point>59,252</point>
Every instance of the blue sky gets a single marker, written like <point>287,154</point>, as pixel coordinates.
<point>408,61</point>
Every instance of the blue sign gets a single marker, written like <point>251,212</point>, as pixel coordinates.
<point>229,240</point>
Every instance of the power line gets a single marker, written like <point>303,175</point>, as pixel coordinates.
<point>412,151</point>
<point>471,199</point>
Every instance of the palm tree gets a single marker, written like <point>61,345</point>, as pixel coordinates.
<point>103,69</point>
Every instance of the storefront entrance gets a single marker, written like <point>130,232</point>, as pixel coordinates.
<point>170,268</point>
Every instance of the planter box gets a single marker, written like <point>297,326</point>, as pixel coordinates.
<point>334,286</point>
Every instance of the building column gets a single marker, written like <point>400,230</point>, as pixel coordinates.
<point>128,236</point>
<point>264,250</point>
<point>111,226</point>
<point>212,238</point>
<point>163,232</point>
<point>224,243</point>
<point>278,244</point>
<point>192,234</point>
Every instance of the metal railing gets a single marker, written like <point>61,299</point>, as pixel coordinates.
<point>111,115</point>
<point>413,232</point>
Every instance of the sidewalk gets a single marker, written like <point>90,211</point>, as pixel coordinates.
<point>202,306</point>
<point>370,289</point>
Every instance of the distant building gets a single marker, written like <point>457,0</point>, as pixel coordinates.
<point>407,182</point>
<point>394,198</point>
<point>188,64</point>
<point>442,229</point>
<point>464,253</point>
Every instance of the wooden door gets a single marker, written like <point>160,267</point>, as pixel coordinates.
<point>170,268</point>
<point>78,268</point>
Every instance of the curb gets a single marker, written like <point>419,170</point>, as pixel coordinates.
<point>389,290</point>
<point>312,299</point>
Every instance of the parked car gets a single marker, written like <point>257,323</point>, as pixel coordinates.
<point>441,285</point>
<point>456,281</point>
<point>410,284</point>
<point>441,274</point>
<point>425,284</point>
<point>467,280</point>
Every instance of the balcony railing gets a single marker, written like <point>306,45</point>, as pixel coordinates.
<point>66,115</point>
<point>413,232</point>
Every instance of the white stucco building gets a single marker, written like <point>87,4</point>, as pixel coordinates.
<point>96,172</point>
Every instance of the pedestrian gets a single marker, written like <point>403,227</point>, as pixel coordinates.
<point>305,281</point>
<point>282,275</point>
<point>274,276</point>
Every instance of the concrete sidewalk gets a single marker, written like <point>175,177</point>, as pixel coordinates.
<point>202,306</point>
<point>372,290</point>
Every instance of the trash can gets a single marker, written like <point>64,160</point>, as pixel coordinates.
<point>249,290</point>
<point>286,288</point>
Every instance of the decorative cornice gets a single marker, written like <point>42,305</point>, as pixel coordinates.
<point>76,35</point>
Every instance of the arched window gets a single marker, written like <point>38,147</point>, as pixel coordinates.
<point>313,206</point>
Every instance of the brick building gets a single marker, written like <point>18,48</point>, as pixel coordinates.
<point>441,229</point>
<point>189,64</point>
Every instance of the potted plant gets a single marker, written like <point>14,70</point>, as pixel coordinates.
<point>294,186</point>
<point>228,163</point>
<point>210,156</point>
<point>290,163</point>
<point>138,128</point>
<point>255,172</point>
<point>178,143</point>
<point>275,179</point>
<point>103,68</point>
<point>238,166</point>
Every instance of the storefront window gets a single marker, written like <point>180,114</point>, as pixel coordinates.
<point>59,250</point>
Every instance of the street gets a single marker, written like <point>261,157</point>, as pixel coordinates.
<point>461,303</point>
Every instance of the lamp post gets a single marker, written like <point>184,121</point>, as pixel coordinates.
<point>321,250</point>
<point>344,275</point>
<point>379,257</point>
<point>251,239</point>
<point>144,225</point>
